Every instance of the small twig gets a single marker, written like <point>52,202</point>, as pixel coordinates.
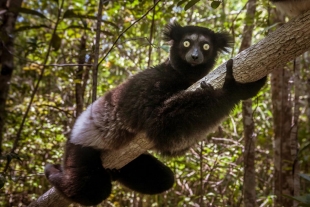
<point>151,36</point>
<point>123,32</point>
<point>96,52</point>
<point>67,113</point>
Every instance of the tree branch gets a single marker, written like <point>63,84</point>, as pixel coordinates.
<point>281,46</point>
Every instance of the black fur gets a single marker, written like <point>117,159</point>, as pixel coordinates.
<point>146,175</point>
<point>153,101</point>
<point>84,180</point>
<point>292,7</point>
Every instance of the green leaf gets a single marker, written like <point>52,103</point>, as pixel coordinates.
<point>181,2</point>
<point>215,4</point>
<point>73,14</point>
<point>70,14</point>
<point>56,42</point>
<point>30,11</point>
<point>268,28</point>
<point>190,4</point>
<point>2,181</point>
<point>304,199</point>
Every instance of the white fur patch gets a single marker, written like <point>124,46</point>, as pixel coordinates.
<point>193,37</point>
<point>100,127</point>
<point>197,38</point>
<point>203,39</point>
<point>85,132</point>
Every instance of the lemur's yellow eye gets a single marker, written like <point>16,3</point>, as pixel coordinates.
<point>186,43</point>
<point>206,46</point>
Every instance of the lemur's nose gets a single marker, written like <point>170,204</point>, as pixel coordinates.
<point>195,54</point>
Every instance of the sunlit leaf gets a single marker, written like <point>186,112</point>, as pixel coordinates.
<point>56,42</point>
<point>33,66</point>
<point>181,2</point>
<point>190,4</point>
<point>215,4</point>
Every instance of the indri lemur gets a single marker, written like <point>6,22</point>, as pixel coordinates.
<point>156,102</point>
<point>292,7</point>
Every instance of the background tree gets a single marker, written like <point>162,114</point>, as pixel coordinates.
<point>248,119</point>
<point>8,18</point>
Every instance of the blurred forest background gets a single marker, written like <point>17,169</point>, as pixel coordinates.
<point>47,53</point>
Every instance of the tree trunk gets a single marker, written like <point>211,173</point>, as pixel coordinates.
<point>248,121</point>
<point>308,104</point>
<point>286,173</point>
<point>282,116</point>
<point>8,17</point>
<point>79,90</point>
<point>281,46</point>
<point>96,51</point>
<point>294,131</point>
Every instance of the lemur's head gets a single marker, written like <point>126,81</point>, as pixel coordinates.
<point>193,46</point>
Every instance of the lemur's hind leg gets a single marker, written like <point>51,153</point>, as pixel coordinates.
<point>147,175</point>
<point>83,180</point>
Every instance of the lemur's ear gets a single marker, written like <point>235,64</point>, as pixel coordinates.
<point>223,41</point>
<point>172,31</point>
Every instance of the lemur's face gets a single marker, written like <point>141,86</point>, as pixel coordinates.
<point>195,48</point>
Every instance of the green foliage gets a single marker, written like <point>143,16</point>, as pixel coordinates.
<point>211,174</point>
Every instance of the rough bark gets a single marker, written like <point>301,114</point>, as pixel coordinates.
<point>8,16</point>
<point>249,177</point>
<point>274,51</point>
<point>248,121</point>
